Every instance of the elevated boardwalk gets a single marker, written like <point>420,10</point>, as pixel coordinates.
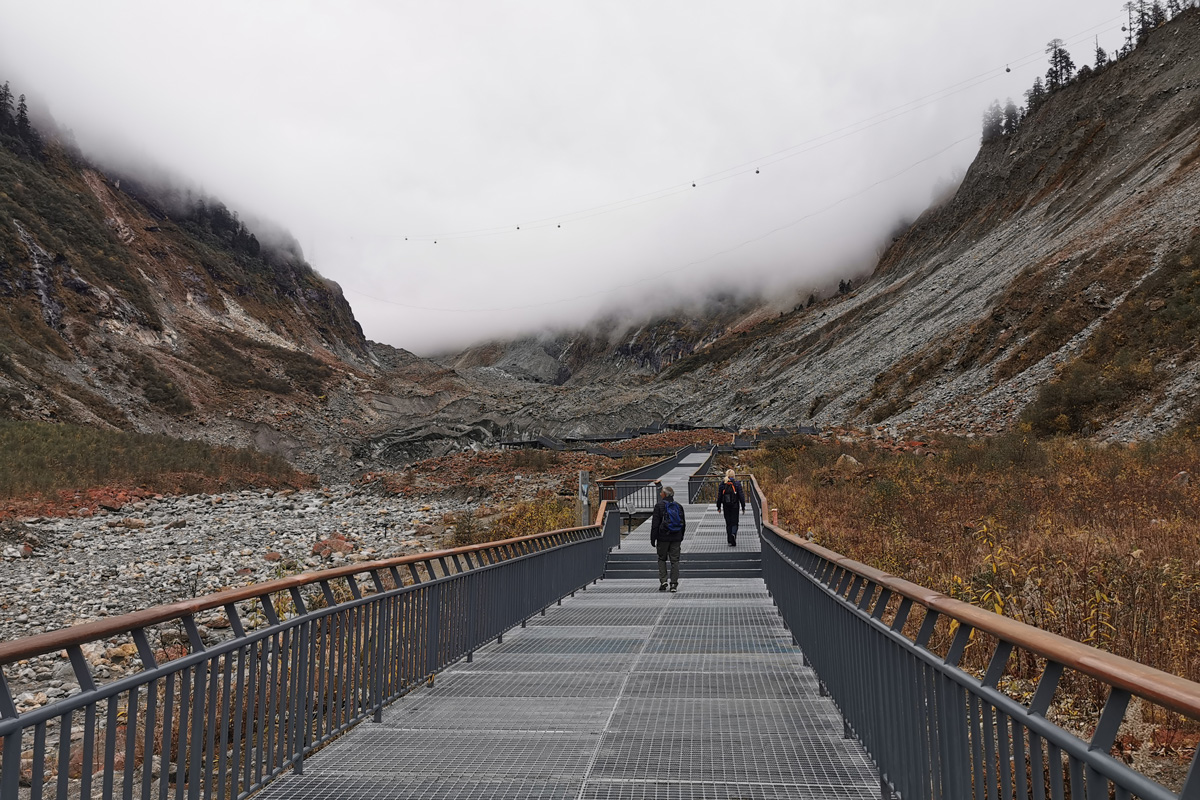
<point>622,692</point>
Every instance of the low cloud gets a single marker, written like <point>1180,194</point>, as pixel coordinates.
<point>368,130</point>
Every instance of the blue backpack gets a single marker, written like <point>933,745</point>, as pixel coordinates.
<point>673,516</point>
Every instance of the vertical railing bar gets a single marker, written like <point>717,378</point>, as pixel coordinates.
<point>251,735</point>
<point>208,756</point>
<point>1003,732</point>
<point>185,708</point>
<point>37,777</point>
<point>237,735</point>
<point>301,695</point>
<point>261,689</point>
<point>1054,757</point>
<point>165,745</point>
<point>973,744</point>
<point>64,753</point>
<point>131,717</point>
<point>196,738</point>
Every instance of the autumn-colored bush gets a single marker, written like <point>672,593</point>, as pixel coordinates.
<point>1098,544</point>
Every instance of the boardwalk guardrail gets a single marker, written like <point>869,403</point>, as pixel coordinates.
<point>696,479</point>
<point>934,729</point>
<point>703,488</point>
<point>634,490</point>
<point>305,658</point>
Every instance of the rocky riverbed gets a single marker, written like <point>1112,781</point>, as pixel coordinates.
<point>57,572</point>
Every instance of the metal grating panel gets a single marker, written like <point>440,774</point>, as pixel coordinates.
<point>395,754</point>
<point>345,787</point>
<point>622,693</point>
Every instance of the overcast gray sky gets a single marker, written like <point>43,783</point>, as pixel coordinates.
<point>357,124</point>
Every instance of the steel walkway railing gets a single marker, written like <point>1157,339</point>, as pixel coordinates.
<point>935,729</point>
<point>306,658</point>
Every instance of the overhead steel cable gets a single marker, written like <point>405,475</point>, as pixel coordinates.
<point>629,284</point>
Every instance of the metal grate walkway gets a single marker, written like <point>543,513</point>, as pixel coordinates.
<point>621,693</point>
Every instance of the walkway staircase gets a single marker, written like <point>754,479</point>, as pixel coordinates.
<point>734,563</point>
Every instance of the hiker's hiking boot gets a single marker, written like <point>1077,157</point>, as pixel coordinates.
<point>674,588</point>
<point>662,587</point>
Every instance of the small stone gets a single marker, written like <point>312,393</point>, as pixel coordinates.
<point>848,465</point>
<point>271,555</point>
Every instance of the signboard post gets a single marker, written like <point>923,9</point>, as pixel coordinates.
<point>585,509</point>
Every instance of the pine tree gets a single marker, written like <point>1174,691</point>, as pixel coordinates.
<point>1158,14</point>
<point>1143,21</point>
<point>24,129</point>
<point>1130,29</point>
<point>6,108</point>
<point>1061,65</point>
<point>1173,8</point>
<point>993,123</point>
<point>1035,96</point>
<point>1012,117</point>
<point>1101,56</point>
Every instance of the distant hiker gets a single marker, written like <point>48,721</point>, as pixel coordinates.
<point>666,535</point>
<point>731,499</point>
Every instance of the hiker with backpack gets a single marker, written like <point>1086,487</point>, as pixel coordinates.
<point>666,535</point>
<point>730,498</point>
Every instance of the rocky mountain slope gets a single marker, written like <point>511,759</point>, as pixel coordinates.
<point>1059,283</point>
<point>1058,286</point>
<point>119,313</point>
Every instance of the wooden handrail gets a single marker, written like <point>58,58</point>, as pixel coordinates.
<point>1170,691</point>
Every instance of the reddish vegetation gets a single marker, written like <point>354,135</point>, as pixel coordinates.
<point>673,440</point>
<point>501,476</point>
<point>86,502</point>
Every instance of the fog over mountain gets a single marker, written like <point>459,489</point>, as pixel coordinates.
<point>371,131</point>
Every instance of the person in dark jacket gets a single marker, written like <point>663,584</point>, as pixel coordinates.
<point>732,502</point>
<point>666,535</point>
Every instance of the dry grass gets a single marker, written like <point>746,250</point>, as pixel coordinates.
<point>1101,545</point>
<point>548,512</point>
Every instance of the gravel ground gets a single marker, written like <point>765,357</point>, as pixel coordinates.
<point>57,572</point>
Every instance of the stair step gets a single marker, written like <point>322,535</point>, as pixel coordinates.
<point>684,573</point>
